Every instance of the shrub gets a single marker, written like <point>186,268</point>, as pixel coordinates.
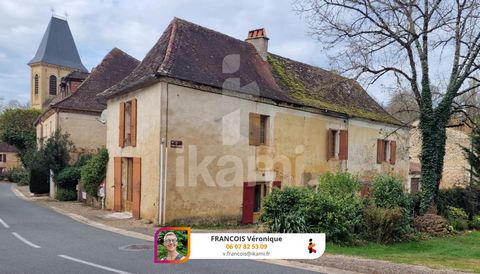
<point>382,225</point>
<point>335,210</point>
<point>94,171</point>
<point>414,201</point>
<point>455,197</point>
<point>341,184</point>
<point>56,151</point>
<point>475,223</point>
<point>387,192</point>
<point>457,218</point>
<point>68,177</point>
<point>284,211</point>
<point>20,176</point>
<point>340,218</point>
<point>66,194</point>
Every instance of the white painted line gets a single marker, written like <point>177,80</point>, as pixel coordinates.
<point>94,265</point>
<point>24,240</point>
<point>3,223</point>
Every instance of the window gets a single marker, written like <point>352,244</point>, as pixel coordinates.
<point>414,185</point>
<point>36,84</point>
<point>258,125</point>
<point>53,85</point>
<point>3,158</point>
<point>337,144</point>
<point>128,123</point>
<point>386,151</point>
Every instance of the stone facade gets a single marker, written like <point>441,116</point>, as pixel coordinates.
<point>455,170</point>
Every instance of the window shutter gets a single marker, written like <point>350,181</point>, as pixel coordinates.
<point>343,153</point>
<point>393,152</point>
<point>330,147</point>
<point>254,129</point>
<point>136,186</point>
<point>121,126</point>
<point>117,183</point>
<point>380,151</point>
<point>133,123</point>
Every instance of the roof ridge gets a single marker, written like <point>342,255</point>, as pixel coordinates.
<point>168,52</point>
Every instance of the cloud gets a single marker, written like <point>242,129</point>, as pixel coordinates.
<point>134,26</point>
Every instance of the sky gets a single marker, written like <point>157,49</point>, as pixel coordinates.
<point>135,26</point>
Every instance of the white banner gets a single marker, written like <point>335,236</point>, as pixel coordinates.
<point>256,245</point>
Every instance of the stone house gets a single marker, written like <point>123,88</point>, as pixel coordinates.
<point>455,169</point>
<point>78,112</point>
<point>8,158</point>
<point>208,124</point>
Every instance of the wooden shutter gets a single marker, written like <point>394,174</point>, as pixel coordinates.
<point>136,187</point>
<point>380,149</point>
<point>330,146</point>
<point>121,126</point>
<point>393,152</point>
<point>254,120</point>
<point>277,184</point>
<point>117,183</point>
<point>343,152</point>
<point>133,123</point>
<point>248,200</point>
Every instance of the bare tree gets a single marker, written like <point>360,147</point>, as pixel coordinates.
<point>414,41</point>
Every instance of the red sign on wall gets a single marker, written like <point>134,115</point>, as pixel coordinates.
<point>176,144</point>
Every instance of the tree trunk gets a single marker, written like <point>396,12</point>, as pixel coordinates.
<point>432,157</point>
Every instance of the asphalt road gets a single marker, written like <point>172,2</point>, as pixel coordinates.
<point>35,239</point>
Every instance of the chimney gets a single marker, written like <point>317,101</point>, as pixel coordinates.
<point>258,38</point>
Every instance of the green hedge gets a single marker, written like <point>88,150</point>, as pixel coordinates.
<point>94,171</point>
<point>336,209</point>
<point>20,176</point>
<point>66,194</point>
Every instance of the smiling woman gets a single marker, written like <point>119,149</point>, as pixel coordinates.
<point>172,245</point>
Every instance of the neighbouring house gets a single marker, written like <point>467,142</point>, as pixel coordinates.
<point>208,124</point>
<point>8,158</point>
<point>455,168</point>
<point>56,57</point>
<point>79,112</point>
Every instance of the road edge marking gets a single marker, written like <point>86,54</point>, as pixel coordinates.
<point>17,193</point>
<point>98,225</point>
<point>25,241</point>
<point>4,224</point>
<point>93,264</point>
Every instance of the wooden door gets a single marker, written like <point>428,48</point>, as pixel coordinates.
<point>117,185</point>
<point>136,187</point>
<point>248,200</point>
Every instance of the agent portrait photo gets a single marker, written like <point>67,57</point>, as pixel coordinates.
<point>172,246</point>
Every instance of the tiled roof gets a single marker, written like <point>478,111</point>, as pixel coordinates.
<point>4,147</point>
<point>193,53</point>
<point>58,47</point>
<point>113,68</point>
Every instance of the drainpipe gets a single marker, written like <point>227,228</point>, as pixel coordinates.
<point>160,188</point>
<point>163,167</point>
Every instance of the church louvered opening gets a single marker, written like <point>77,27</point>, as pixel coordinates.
<point>53,85</point>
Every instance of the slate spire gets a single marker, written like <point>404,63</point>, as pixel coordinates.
<point>58,47</point>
